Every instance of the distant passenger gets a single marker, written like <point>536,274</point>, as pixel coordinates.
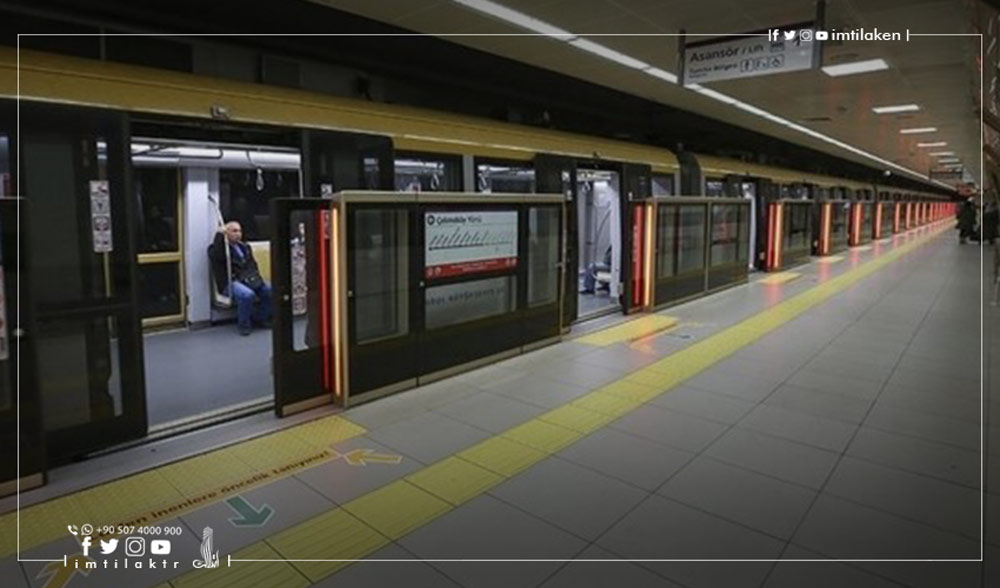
<point>590,278</point>
<point>247,283</point>
<point>991,220</point>
<point>966,221</point>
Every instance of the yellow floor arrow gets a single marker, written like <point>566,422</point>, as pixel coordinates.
<point>360,457</point>
<point>59,575</point>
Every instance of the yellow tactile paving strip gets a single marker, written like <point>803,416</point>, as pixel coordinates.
<point>423,496</point>
<point>246,574</point>
<point>830,259</point>
<point>779,278</point>
<point>634,329</point>
<point>168,491</point>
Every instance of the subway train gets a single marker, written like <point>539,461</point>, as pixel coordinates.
<point>124,173</point>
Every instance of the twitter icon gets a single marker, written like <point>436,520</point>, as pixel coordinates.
<point>109,546</point>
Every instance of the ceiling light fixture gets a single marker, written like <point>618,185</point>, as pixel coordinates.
<point>662,74</point>
<point>857,67</point>
<point>518,18</point>
<point>916,130</point>
<point>607,53</point>
<point>941,153</point>
<point>933,144</point>
<point>949,160</point>
<point>895,109</point>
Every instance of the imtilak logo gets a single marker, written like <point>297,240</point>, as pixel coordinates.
<point>209,559</point>
<point>808,35</point>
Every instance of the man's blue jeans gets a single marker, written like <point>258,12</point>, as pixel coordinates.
<point>245,311</point>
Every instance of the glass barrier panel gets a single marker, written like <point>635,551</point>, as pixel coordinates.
<point>691,238</point>
<point>543,255</point>
<point>666,237</point>
<point>725,233</point>
<point>381,282</point>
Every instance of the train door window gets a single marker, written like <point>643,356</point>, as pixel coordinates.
<point>715,187</point>
<point>599,222</point>
<point>663,184</point>
<point>797,223</point>
<point>426,172</point>
<point>507,177</point>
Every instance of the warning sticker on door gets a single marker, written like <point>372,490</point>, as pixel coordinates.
<point>100,215</point>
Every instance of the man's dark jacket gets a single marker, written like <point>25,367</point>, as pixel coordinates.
<point>243,266</point>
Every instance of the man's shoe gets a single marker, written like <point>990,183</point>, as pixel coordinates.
<point>244,331</point>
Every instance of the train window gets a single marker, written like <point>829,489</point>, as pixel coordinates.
<point>543,255</point>
<point>381,288</point>
<point>428,173</point>
<point>663,185</point>
<point>725,233</point>
<point>6,184</point>
<point>156,192</point>
<point>715,187</point>
<point>159,289</point>
<point>691,238</point>
<point>245,195</point>
<point>505,177</point>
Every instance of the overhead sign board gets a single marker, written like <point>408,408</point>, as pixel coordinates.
<point>459,243</point>
<point>753,54</point>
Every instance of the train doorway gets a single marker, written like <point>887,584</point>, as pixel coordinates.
<point>203,361</point>
<point>599,235</point>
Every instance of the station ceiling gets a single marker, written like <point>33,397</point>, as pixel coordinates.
<point>938,73</point>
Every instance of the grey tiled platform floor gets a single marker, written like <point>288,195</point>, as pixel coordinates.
<point>851,432</point>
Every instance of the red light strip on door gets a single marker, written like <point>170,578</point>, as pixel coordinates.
<point>825,221</point>
<point>324,297</point>
<point>877,229</point>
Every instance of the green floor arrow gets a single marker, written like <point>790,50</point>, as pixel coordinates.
<point>248,515</point>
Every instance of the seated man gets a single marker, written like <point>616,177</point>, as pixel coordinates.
<point>247,282</point>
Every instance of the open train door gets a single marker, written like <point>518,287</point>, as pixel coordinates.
<point>556,174</point>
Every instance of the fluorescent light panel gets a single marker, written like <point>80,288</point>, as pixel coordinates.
<point>857,67</point>
<point>933,144</point>
<point>518,18</point>
<point>941,153</point>
<point>895,109</point>
<point>949,160</point>
<point>611,54</point>
<point>916,130</point>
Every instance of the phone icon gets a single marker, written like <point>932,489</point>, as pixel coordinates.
<point>73,530</point>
